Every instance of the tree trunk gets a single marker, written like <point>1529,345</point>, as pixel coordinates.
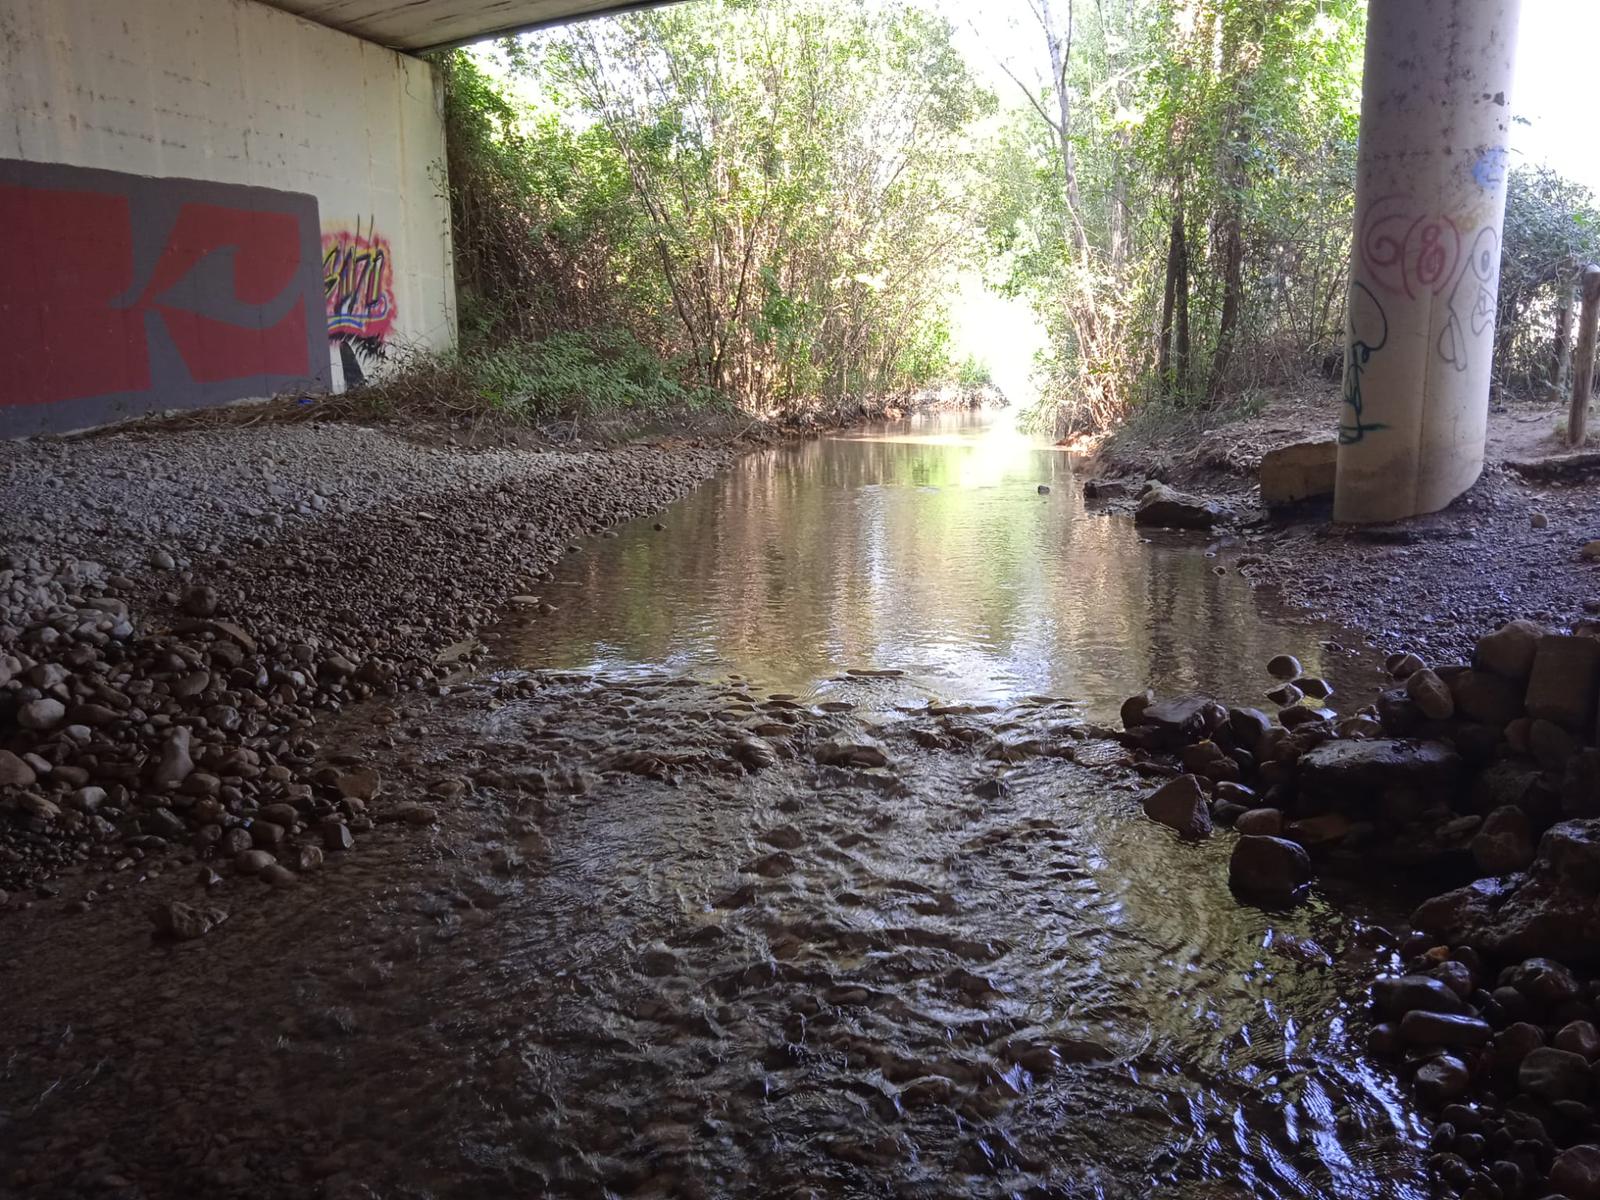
<point>1169,298</point>
<point>1561,351</point>
<point>1583,365</point>
<point>1232,295</point>
<point>1180,293</point>
<point>1060,58</point>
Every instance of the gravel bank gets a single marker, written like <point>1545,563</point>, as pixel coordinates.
<point>175,609</point>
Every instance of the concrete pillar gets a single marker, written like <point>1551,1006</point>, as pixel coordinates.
<point>1425,266</point>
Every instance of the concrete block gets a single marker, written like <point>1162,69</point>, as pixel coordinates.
<point>1299,471</point>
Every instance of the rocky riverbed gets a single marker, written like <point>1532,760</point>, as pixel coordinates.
<point>178,611</point>
<point>1511,547</point>
<point>1481,773</point>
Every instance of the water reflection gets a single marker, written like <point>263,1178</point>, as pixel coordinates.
<point>923,546</point>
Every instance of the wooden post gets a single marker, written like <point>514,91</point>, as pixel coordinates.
<point>1583,365</point>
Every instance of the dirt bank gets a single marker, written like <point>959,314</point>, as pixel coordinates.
<point>1509,548</point>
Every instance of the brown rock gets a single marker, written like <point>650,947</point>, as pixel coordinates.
<point>1180,804</point>
<point>1486,697</point>
<point>1431,695</point>
<point>1268,869</point>
<point>1298,471</point>
<point>1509,651</point>
<point>1283,666</point>
<point>185,922</point>
<point>1260,822</point>
<point>1565,681</point>
<point>361,784</point>
<point>1505,842</point>
<point>14,772</point>
<point>1170,509</point>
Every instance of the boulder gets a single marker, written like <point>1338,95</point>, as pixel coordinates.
<point>1564,682</point>
<point>1180,720</point>
<point>1487,698</point>
<point>1283,666</point>
<point>1509,651</point>
<point>1260,822</point>
<point>1299,471</point>
<point>1180,804</point>
<point>1553,1075</point>
<point>1423,1028</point>
<point>1431,695</point>
<point>1505,842</point>
<point>1167,508</point>
<point>1396,995</point>
<point>1345,770</point>
<point>1576,1173</point>
<point>1269,869</point>
<point>14,772</point>
<point>1549,911</point>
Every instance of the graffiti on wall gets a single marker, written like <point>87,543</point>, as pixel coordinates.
<point>1368,334</point>
<point>121,294</point>
<point>1411,256</point>
<point>358,289</point>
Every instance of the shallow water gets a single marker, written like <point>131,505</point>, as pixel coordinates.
<point>922,546</point>
<point>1182,1041</point>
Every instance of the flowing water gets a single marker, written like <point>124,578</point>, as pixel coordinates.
<point>624,965</point>
<point>825,985</point>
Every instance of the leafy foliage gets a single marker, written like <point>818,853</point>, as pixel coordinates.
<point>1552,228</point>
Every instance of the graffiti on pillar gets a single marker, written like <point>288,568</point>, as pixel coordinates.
<point>1367,335</point>
<point>120,294</point>
<point>358,289</point>
<point>1406,254</point>
<point>1472,301</point>
<point>1412,256</point>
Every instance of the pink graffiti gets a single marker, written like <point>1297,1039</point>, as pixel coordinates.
<point>358,284</point>
<point>1406,254</point>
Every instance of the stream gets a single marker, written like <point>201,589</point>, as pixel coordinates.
<point>907,991</point>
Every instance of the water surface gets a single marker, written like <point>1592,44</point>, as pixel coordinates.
<point>926,547</point>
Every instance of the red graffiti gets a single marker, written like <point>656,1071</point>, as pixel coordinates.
<point>113,288</point>
<point>1406,254</point>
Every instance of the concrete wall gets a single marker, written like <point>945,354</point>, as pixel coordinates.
<point>205,200</point>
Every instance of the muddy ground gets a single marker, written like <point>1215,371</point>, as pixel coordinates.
<point>1509,548</point>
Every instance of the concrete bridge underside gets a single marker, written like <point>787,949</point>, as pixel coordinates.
<point>424,25</point>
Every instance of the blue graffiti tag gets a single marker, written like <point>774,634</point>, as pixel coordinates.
<point>1358,353</point>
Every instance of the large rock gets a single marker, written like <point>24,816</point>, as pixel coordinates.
<point>1553,1075</point>
<point>14,772</point>
<point>1298,472</point>
<point>1576,1173</point>
<point>1549,911</point>
<point>1397,995</point>
<point>1509,650</point>
<point>1505,842</point>
<point>41,714</point>
<point>1565,681</point>
<point>1347,770</point>
<point>1487,698</point>
<point>1431,695</point>
<point>1269,869</point>
<point>1180,804</point>
<point>1169,509</point>
<point>1180,720</point>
